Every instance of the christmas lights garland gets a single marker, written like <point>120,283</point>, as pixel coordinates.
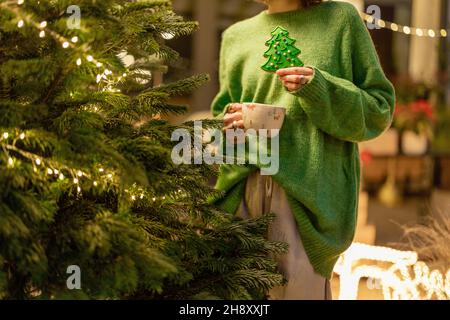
<point>420,32</point>
<point>56,170</point>
<point>85,56</point>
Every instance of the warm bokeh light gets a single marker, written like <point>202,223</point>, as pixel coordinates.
<point>399,273</point>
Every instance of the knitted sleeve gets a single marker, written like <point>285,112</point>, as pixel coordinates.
<point>222,98</point>
<point>356,110</point>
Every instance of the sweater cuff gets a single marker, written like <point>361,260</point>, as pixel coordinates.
<point>314,90</point>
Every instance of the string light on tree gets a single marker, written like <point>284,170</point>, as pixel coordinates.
<point>65,43</point>
<point>77,175</point>
<point>167,35</point>
<point>74,90</point>
<point>49,170</point>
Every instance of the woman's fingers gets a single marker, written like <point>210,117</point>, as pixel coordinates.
<point>231,118</point>
<point>294,78</point>
<point>291,78</point>
<point>292,86</point>
<point>234,107</point>
<point>301,79</point>
<point>295,71</point>
<point>234,125</point>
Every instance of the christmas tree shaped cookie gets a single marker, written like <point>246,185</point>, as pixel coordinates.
<point>281,53</point>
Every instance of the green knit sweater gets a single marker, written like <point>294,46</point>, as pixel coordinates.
<point>349,100</point>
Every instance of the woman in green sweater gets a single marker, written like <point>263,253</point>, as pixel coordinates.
<point>341,97</point>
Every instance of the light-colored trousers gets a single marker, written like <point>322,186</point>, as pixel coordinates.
<point>263,195</point>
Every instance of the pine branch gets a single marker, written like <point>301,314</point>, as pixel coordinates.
<point>184,86</point>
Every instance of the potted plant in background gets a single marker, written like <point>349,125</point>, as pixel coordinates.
<point>415,122</point>
<point>414,118</point>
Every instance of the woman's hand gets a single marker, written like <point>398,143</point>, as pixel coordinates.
<point>233,117</point>
<point>295,78</point>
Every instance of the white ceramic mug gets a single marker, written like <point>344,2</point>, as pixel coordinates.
<point>259,116</point>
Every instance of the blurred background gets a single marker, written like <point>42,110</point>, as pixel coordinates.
<point>406,171</point>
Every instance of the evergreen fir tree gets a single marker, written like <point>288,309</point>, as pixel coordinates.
<point>86,176</point>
